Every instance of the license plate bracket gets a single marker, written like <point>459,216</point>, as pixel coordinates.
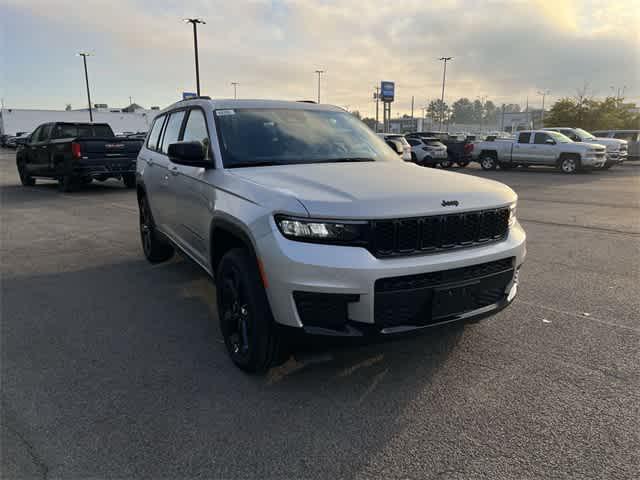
<point>454,299</point>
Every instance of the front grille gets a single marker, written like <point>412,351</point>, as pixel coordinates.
<point>424,234</point>
<point>422,280</point>
<point>434,297</point>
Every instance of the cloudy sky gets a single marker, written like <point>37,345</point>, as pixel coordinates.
<point>505,50</point>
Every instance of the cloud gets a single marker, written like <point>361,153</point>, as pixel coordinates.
<point>506,50</point>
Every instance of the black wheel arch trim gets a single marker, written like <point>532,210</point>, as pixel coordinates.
<point>233,227</point>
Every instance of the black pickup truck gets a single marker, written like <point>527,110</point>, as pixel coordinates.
<point>75,154</point>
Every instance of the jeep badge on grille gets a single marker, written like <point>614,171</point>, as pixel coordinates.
<point>450,203</point>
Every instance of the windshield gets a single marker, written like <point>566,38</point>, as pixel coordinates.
<point>559,138</point>
<point>584,134</point>
<point>254,137</point>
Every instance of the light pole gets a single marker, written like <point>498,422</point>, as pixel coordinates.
<point>319,72</point>
<point>195,22</point>
<point>235,91</point>
<point>444,79</point>
<point>84,56</point>
<point>376,96</point>
<point>544,93</point>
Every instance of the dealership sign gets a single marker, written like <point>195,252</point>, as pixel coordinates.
<point>387,91</point>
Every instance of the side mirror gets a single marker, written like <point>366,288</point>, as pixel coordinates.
<point>550,141</point>
<point>191,154</point>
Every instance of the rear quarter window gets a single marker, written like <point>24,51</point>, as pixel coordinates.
<point>154,136</point>
<point>524,137</point>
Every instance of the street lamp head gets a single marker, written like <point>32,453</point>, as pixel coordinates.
<point>446,59</point>
<point>84,54</point>
<point>193,20</point>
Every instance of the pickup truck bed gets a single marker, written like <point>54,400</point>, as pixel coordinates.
<point>74,160</point>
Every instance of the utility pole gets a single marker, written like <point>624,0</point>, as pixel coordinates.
<point>376,95</point>
<point>130,100</point>
<point>195,22</point>
<point>235,91</point>
<point>444,79</point>
<point>412,107</point>
<point>544,93</point>
<point>319,72</point>
<point>84,56</point>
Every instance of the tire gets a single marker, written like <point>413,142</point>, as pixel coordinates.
<point>26,179</point>
<point>448,163</point>
<point>67,183</point>
<point>250,335</point>
<point>488,162</point>
<point>607,166</point>
<point>569,164</point>
<point>86,180</point>
<point>414,158</point>
<point>129,180</point>
<point>155,249</point>
<point>463,164</point>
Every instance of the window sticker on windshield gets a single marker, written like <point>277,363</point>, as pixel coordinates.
<point>222,113</point>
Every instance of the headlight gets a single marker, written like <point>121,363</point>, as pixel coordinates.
<point>512,214</point>
<point>322,231</point>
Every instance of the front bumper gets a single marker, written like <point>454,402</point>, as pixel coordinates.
<point>615,158</point>
<point>291,266</point>
<point>594,161</point>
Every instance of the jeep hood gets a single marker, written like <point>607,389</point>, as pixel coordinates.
<point>372,190</point>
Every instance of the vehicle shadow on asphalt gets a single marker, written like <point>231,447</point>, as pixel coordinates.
<point>105,363</point>
<point>18,194</point>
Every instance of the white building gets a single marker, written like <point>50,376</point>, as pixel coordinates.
<point>14,120</point>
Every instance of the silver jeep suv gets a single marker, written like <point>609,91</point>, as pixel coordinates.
<point>310,224</point>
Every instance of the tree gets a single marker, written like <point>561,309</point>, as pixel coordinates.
<point>370,122</point>
<point>585,112</point>
<point>512,108</point>
<point>436,108</point>
<point>462,111</point>
<point>490,112</point>
<point>356,113</point>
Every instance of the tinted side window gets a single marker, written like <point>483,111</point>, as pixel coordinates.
<point>413,143</point>
<point>154,136</point>
<point>36,134</point>
<point>524,137</point>
<point>541,138</point>
<point>172,131</point>
<point>46,133</point>
<point>195,130</point>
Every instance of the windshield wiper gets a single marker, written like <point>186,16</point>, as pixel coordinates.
<point>348,159</point>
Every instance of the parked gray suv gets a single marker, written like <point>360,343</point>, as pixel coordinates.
<point>309,224</point>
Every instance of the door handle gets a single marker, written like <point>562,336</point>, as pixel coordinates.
<point>174,170</point>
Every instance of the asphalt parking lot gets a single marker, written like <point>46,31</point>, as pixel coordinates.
<point>114,368</point>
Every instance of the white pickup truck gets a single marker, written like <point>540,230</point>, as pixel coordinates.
<point>617,150</point>
<point>539,147</point>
